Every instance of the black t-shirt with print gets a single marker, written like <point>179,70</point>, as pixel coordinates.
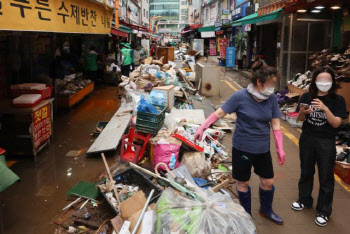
<point>316,123</point>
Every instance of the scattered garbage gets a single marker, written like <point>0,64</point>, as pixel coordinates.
<point>179,185</point>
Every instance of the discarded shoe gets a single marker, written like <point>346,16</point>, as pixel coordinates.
<point>342,156</point>
<point>266,199</point>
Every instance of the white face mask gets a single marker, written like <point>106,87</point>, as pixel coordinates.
<point>268,91</point>
<point>324,86</point>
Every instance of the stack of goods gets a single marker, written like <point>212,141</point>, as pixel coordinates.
<point>301,81</point>
<point>339,62</point>
<point>31,88</point>
<point>343,144</point>
<point>72,84</point>
<point>150,117</point>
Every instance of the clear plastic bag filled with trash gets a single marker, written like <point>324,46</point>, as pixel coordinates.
<point>213,213</point>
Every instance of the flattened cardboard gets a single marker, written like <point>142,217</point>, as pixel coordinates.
<point>133,204</point>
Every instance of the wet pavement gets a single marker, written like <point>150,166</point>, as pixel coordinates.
<point>286,182</point>
<point>32,205</point>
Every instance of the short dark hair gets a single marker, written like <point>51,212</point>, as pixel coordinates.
<point>92,47</point>
<point>313,88</point>
<point>262,72</point>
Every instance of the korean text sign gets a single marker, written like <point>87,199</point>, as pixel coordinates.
<point>230,56</point>
<point>41,125</point>
<point>76,16</point>
<point>223,42</point>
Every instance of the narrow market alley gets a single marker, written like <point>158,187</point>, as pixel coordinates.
<point>32,205</point>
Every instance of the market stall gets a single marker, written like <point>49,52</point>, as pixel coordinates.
<point>26,130</point>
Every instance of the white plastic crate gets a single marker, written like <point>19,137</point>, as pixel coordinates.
<point>169,95</point>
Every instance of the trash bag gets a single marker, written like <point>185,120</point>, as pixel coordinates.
<point>151,69</point>
<point>157,98</point>
<point>215,213</point>
<point>196,164</point>
<point>146,106</point>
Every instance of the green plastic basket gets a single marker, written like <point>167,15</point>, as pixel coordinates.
<point>152,128</point>
<point>154,118</point>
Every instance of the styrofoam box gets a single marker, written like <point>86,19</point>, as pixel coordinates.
<point>29,86</point>
<point>27,99</point>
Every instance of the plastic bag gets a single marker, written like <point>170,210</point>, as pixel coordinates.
<point>196,164</point>
<point>216,213</point>
<point>168,154</point>
<point>157,98</point>
<point>146,106</point>
<point>113,65</point>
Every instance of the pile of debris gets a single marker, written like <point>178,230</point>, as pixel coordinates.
<point>166,182</point>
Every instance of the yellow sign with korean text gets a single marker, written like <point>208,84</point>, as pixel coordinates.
<point>66,16</point>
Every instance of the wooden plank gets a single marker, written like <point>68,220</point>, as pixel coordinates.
<point>111,135</point>
<point>196,116</point>
<point>207,106</point>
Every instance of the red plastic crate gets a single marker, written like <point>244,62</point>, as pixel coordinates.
<point>45,93</point>
<point>130,152</point>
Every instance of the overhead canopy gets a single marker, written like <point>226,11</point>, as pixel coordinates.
<point>207,29</point>
<point>125,28</point>
<point>118,32</point>
<point>254,18</point>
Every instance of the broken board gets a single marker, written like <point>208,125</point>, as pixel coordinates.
<point>207,106</point>
<point>196,116</point>
<point>111,135</point>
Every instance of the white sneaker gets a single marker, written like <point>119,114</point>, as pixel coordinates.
<point>298,206</point>
<point>321,220</point>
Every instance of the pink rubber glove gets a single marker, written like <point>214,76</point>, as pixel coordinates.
<point>281,156</point>
<point>209,121</point>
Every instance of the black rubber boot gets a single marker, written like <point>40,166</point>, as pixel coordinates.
<point>266,199</point>
<point>245,200</point>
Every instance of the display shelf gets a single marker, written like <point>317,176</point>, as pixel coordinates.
<point>71,100</point>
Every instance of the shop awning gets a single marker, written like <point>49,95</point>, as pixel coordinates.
<point>118,32</point>
<point>207,29</point>
<point>254,18</point>
<point>133,26</point>
<point>124,28</point>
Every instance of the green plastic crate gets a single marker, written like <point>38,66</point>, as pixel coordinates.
<point>152,118</point>
<point>152,128</point>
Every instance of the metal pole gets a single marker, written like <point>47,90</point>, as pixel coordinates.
<point>280,65</point>
<point>290,44</point>
<point>307,46</point>
<point>143,212</point>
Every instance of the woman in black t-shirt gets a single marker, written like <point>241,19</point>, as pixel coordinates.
<point>322,111</point>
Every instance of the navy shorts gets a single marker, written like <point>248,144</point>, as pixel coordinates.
<point>242,163</point>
